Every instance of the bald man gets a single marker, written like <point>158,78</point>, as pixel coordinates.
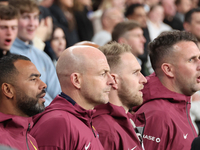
<point>85,80</point>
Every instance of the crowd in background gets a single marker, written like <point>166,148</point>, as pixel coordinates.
<point>65,23</point>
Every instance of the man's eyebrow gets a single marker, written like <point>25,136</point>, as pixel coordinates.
<point>35,75</point>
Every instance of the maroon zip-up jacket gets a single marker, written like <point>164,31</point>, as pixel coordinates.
<point>14,132</point>
<point>168,123</point>
<point>64,125</point>
<point>115,129</point>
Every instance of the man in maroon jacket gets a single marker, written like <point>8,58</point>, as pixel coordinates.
<point>66,124</point>
<point>117,128</point>
<point>21,96</point>
<point>175,59</point>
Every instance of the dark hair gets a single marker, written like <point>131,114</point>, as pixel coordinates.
<point>121,28</point>
<point>25,6</point>
<point>188,15</point>
<point>162,47</point>
<point>8,70</point>
<point>131,9</point>
<point>8,12</point>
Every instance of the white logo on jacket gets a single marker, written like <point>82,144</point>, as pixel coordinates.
<point>86,147</point>
<point>185,136</point>
<point>151,138</point>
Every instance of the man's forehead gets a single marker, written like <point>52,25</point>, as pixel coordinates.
<point>8,22</point>
<point>25,66</point>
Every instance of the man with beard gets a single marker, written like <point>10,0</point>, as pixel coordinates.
<point>8,28</point>
<point>118,129</point>
<point>21,97</point>
<point>175,58</point>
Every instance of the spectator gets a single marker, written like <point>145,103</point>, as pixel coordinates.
<point>137,13</point>
<point>67,122</point>
<point>28,23</point>
<point>155,22</point>
<point>63,16</point>
<point>130,32</point>
<point>182,7</point>
<point>170,12</point>
<point>175,59</point>
<point>4,2</point>
<point>82,9</point>
<point>21,97</point>
<point>109,19</point>
<point>8,28</point>
<point>112,121</point>
<point>191,23</point>
<point>102,6</point>
<point>56,45</point>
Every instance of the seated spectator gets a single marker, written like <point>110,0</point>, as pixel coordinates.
<point>21,96</point>
<point>3,2</point>
<point>170,12</point>
<point>64,17</point>
<point>28,23</point>
<point>8,28</point>
<point>84,25</point>
<point>117,128</point>
<point>56,45</point>
<point>182,7</point>
<point>191,23</point>
<point>130,32</point>
<point>109,19</point>
<point>66,123</point>
<point>155,22</point>
<point>103,5</point>
<point>137,13</point>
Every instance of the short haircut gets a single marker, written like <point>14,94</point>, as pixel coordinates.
<point>25,6</point>
<point>123,27</point>
<point>162,47</point>
<point>8,70</point>
<point>188,15</point>
<point>131,9</point>
<point>112,51</point>
<point>8,12</point>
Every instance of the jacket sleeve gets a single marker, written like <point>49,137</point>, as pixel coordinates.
<point>49,148</point>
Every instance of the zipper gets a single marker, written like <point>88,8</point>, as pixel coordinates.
<point>27,137</point>
<point>188,118</point>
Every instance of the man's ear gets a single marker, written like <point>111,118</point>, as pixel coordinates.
<point>115,78</point>
<point>122,40</point>
<point>7,90</point>
<point>187,26</point>
<point>76,80</point>
<point>168,69</point>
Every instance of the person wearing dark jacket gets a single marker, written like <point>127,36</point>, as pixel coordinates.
<point>118,129</point>
<point>175,59</point>
<point>8,28</point>
<point>66,123</point>
<point>21,96</point>
<point>64,17</point>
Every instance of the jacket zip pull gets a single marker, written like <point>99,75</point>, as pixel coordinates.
<point>93,129</point>
<point>27,137</point>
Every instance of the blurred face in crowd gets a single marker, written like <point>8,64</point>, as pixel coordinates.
<point>140,16</point>
<point>8,33</point>
<point>186,67</point>
<point>135,39</point>
<point>156,14</point>
<point>169,7</point>
<point>29,89</point>
<point>28,23</point>
<point>194,25</point>
<point>184,6</point>
<point>130,81</point>
<point>67,3</point>
<point>58,42</point>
